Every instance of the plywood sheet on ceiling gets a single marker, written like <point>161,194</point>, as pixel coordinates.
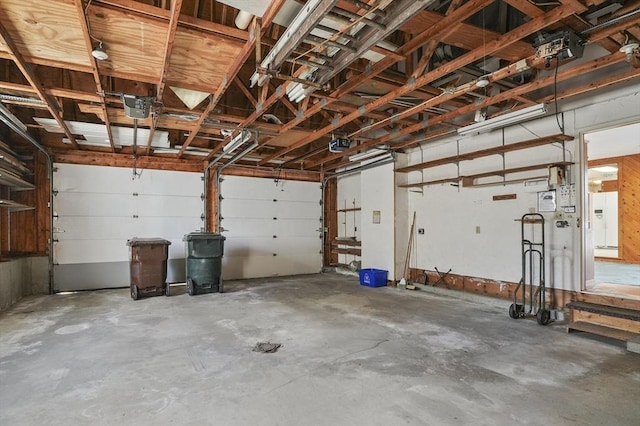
<point>50,30</point>
<point>288,138</point>
<point>467,36</point>
<point>200,61</point>
<point>135,44</point>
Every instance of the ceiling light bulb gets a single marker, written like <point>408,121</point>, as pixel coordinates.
<point>100,53</point>
<point>629,49</point>
<point>482,82</point>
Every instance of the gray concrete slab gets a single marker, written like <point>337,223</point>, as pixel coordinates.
<point>351,355</point>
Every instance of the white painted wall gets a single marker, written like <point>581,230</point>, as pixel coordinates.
<point>450,214</point>
<point>378,239</point>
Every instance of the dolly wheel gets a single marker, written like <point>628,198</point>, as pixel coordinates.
<point>134,292</point>
<point>189,286</point>
<point>513,311</point>
<point>167,292</point>
<point>543,316</point>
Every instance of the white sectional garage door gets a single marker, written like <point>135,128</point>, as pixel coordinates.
<point>271,227</point>
<point>97,209</point>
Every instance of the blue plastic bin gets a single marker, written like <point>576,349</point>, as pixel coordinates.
<point>373,277</point>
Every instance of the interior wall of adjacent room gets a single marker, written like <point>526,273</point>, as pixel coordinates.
<point>452,215</point>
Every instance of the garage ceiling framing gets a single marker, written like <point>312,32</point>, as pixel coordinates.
<point>398,73</point>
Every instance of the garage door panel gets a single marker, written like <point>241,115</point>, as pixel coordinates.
<point>165,227</point>
<point>97,212</point>
<point>180,184</point>
<point>107,180</point>
<point>267,189</point>
<point>94,228</point>
<point>259,245</point>
<point>270,227</point>
<point>237,267</point>
<point>91,251</point>
<point>167,206</point>
<point>248,213</point>
<point>93,204</point>
<point>251,209</point>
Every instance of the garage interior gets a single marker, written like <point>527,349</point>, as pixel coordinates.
<point>484,154</point>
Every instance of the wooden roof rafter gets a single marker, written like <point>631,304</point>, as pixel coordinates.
<point>81,9</point>
<point>530,87</point>
<point>235,67</point>
<point>516,34</point>
<point>27,72</point>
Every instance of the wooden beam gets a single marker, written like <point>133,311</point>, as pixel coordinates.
<point>245,90</point>
<point>56,92</point>
<point>527,88</point>
<point>431,45</point>
<point>126,160</point>
<point>247,49</point>
<point>28,74</point>
<point>94,68</point>
<point>291,40</point>
<point>511,37</point>
<point>185,20</point>
<point>176,6</point>
<point>501,149</point>
<point>270,14</point>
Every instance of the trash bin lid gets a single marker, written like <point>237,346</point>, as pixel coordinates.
<point>144,241</point>
<point>203,236</point>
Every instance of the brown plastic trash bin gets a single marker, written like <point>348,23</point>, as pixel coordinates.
<point>148,266</point>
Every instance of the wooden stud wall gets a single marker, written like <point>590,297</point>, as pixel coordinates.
<point>330,257</point>
<point>27,232</point>
<point>628,187</point>
<point>629,206</point>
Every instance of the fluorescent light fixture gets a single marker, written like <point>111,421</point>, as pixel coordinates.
<point>238,140</point>
<point>367,154</point>
<point>379,158</point>
<point>605,169</point>
<point>504,120</point>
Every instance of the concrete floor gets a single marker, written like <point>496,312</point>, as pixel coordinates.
<point>352,355</point>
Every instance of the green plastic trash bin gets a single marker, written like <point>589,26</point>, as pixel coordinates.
<point>204,252</point>
<point>148,266</point>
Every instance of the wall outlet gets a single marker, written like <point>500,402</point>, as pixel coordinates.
<point>421,231</point>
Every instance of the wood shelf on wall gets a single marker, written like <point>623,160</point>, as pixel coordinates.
<point>469,180</point>
<point>14,182</point>
<point>486,152</point>
<point>13,206</point>
<point>353,246</point>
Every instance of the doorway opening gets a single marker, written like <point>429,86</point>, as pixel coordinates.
<point>612,237</point>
